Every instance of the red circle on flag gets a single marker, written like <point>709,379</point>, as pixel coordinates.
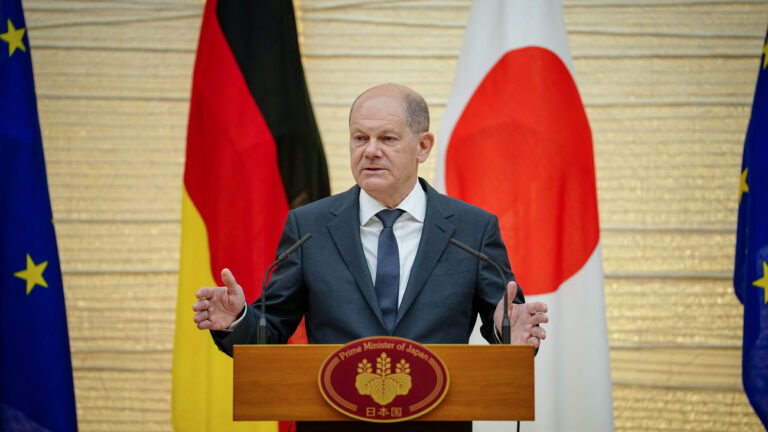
<point>522,149</point>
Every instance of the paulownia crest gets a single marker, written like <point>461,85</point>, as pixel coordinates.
<point>383,385</point>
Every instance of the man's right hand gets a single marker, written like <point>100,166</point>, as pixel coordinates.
<point>218,307</point>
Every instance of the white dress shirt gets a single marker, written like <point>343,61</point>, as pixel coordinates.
<point>407,231</point>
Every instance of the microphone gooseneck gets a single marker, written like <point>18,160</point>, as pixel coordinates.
<point>261,337</point>
<point>505,339</point>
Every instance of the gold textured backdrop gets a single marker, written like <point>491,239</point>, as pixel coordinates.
<point>667,87</point>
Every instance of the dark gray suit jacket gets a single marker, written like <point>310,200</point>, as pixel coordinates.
<point>328,281</point>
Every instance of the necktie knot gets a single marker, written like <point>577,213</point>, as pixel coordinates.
<point>388,217</point>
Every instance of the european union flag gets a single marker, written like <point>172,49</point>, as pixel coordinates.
<point>36,391</point>
<point>750,277</point>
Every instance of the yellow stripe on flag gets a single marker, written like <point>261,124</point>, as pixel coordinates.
<point>201,394</point>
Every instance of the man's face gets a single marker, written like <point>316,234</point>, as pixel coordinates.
<point>384,153</point>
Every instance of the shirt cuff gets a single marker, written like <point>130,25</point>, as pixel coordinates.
<point>237,322</point>
<point>496,334</point>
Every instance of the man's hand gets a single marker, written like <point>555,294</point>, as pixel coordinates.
<point>524,319</point>
<point>218,307</point>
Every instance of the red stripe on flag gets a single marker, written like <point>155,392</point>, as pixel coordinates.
<point>512,141</point>
<point>231,172</point>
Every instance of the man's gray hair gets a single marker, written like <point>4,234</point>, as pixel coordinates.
<point>416,111</point>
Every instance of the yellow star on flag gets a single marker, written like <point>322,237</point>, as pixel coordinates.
<point>13,37</point>
<point>763,282</point>
<point>33,274</point>
<point>743,186</point>
<point>765,55</point>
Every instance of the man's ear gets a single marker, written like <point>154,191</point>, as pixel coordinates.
<point>426,141</point>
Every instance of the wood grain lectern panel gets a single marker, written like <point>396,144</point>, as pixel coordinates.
<point>280,382</point>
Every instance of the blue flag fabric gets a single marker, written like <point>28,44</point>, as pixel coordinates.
<point>750,277</point>
<point>36,391</point>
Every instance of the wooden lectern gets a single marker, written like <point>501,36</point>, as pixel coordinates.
<point>280,382</point>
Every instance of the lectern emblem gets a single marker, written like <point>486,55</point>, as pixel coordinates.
<point>384,385</point>
<point>383,379</point>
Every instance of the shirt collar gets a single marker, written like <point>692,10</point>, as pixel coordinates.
<point>415,204</point>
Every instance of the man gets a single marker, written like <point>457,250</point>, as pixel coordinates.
<point>366,272</point>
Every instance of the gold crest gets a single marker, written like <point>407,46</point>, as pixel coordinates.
<point>384,385</point>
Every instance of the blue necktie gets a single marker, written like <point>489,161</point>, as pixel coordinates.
<point>388,267</point>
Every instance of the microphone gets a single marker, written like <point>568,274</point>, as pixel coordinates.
<point>483,257</point>
<point>261,337</point>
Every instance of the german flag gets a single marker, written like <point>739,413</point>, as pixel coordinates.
<point>253,152</point>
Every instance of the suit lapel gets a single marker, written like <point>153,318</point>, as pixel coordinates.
<point>345,232</point>
<point>436,233</point>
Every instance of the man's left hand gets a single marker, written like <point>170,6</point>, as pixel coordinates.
<point>524,319</point>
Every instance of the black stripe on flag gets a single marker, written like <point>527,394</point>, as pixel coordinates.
<point>263,39</point>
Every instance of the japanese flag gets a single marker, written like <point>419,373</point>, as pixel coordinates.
<point>515,141</point>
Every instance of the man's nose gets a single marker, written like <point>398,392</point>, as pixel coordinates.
<point>372,148</point>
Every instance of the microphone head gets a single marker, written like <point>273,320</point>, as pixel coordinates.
<point>469,250</point>
<point>295,246</point>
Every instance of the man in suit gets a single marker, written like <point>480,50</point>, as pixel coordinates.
<point>379,261</point>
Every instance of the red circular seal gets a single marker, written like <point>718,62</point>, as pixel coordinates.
<point>383,379</point>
